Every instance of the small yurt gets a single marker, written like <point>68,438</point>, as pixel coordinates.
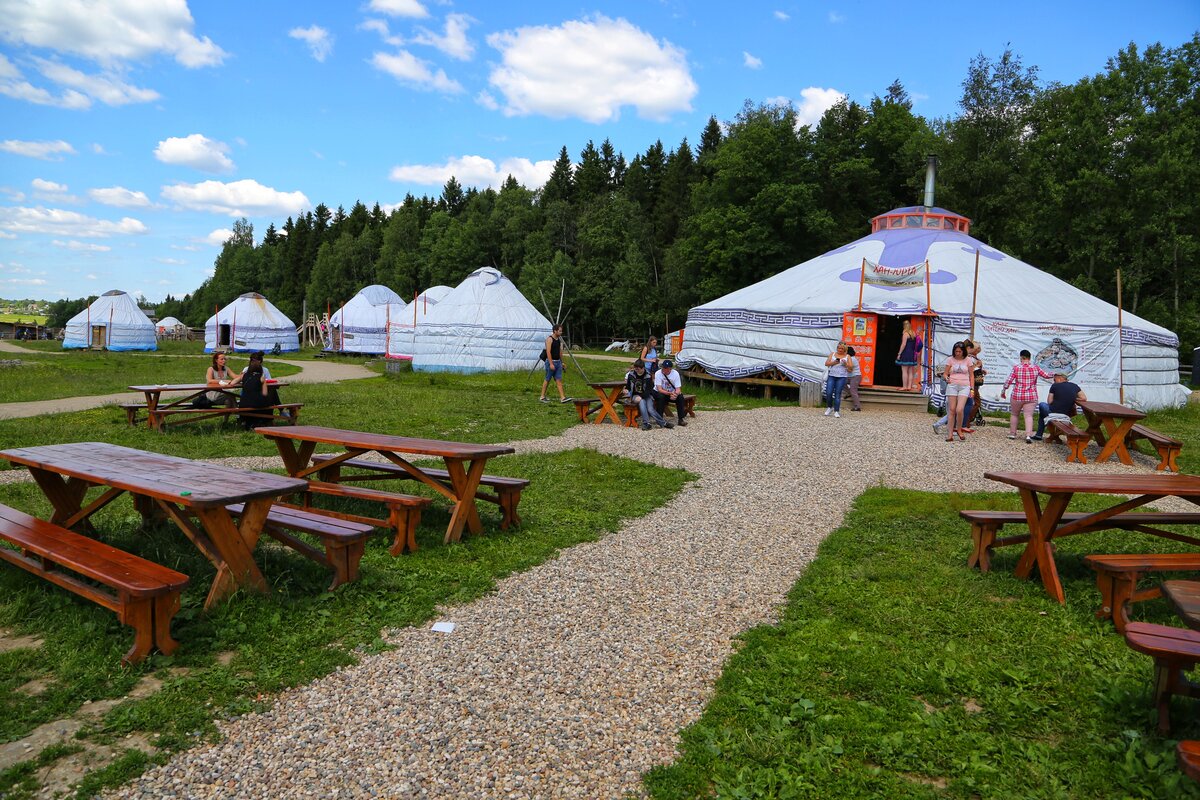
<point>112,322</point>
<point>250,323</point>
<point>402,329</point>
<point>484,324</point>
<point>170,327</point>
<point>361,325</point>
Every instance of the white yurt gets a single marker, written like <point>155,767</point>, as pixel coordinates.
<point>112,322</point>
<point>920,264</point>
<point>402,330</point>
<point>484,324</point>
<point>250,323</point>
<point>361,325</point>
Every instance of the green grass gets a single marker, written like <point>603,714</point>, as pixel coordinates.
<point>28,319</point>
<point>897,672</point>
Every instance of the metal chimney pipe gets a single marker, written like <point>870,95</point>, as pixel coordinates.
<point>930,173</point>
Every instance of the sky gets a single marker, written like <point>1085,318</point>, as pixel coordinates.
<point>133,133</point>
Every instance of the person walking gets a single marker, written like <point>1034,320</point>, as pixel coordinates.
<point>957,373</point>
<point>855,379</point>
<point>650,355</point>
<point>552,355</point>
<point>836,379</point>
<point>1023,379</point>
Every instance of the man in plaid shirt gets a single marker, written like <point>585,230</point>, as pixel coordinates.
<point>1023,379</point>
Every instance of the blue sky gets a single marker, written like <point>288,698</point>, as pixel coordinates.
<point>134,133</point>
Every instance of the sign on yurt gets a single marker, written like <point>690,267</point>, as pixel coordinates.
<point>361,325</point>
<point>112,322</point>
<point>484,324</point>
<point>250,323</point>
<point>402,329</point>
<point>921,265</point>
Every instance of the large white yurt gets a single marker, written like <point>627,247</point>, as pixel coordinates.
<point>402,330</point>
<point>250,323</point>
<point>484,324</point>
<point>112,322</point>
<point>920,264</point>
<point>361,325</point>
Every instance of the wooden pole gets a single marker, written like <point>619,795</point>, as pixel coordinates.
<point>861,278</point>
<point>974,294</point>
<point>1120,347</point>
<point>928,304</point>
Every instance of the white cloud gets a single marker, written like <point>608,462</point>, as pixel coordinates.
<point>589,69</point>
<point>218,237</point>
<point>48,186</point>
<point>476,171</point>
<point>399,8</point>
<point>91,276</point>
<point>14,85</point>
<point>320,43</point>
<point>750,61</point>
<point>106,87</point>
<point>782,16</point>
<point>813,103</point>
<point>47,151</point>
<point>15,195</point>
<point>196,151</point>
<point>56,221</point>
<point>486,100</point>
<point>380,26</point>
<point>174,262</point>
<point>835,17</point>
<point>98,149</point>
<point>408,69</point>
<point>88,246</point>
<point>23,281</point>
<point>191,248</point>
<point>7,68</point>
<point>245,198</point>
<point>110,32</point>
<point>454,41</point>
<point>120,197</point>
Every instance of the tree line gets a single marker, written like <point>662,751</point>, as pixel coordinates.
<point>1079,180</point>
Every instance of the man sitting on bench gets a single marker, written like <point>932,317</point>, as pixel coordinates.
<point>1062,397</point>
<point>668,388</point>
<point>640,386</point>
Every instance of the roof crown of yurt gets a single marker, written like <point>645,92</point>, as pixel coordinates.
<point>484,324</point>
<point>361,325</point>
<point>113,321</point>
<point>248,324</point>
<point>920,265</point>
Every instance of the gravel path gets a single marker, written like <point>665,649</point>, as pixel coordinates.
<point>573,678</point>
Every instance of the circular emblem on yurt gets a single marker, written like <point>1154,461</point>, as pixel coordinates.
<point>1058,356</point>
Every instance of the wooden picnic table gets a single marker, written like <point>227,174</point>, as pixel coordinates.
<point>1045,523</point>
<point>608,392</point>
<point>157,411</point>
<point>1184,597</point>
<point>464,463</point>
<point>1109,424</point>
<point>160,484</point>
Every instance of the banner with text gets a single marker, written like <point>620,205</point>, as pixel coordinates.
<point>879,275</point>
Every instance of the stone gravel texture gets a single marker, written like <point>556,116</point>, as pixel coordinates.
<point>574,678</point>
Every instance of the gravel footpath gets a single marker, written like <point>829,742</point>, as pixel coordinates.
<point>574,677</point>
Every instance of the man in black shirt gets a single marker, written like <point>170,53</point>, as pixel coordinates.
<point>552,355</point>
<point>640,386</point>
<point>1063,395</point>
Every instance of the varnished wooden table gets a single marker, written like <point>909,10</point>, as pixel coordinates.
<point>464,462</point>
<point>1059,488</point>
<point>609,393</point>
<point>1108,425</point>
<point>178,487</point>
<point>1184,597</point>
<point>155,407</point>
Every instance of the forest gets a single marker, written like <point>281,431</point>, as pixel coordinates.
<point>1079,180</point>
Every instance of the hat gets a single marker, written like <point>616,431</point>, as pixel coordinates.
<point>668,363</point>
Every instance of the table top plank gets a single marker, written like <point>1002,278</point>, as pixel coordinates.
<point>1110,410</point>
<point>606,384</point>
<point>154,474</point>
<point>1061,482</point>
<point>190,387</point>
<point>384,442</point>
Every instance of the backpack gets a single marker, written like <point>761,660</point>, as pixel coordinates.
<point>920,343</point>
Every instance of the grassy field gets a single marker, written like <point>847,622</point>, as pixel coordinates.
<point>897,672</point>
<point>28,319</point>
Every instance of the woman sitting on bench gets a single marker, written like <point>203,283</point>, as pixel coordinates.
<point>254,395</point>
<point>218,375</point>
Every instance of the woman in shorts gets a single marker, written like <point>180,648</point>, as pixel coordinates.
<point>958,372</point>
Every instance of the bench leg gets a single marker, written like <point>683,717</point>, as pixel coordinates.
<point>631,415</point>
<point>165,607</point>
<point>983,535</point>
<point>139,615</point>
<point>1166,458</point>
<point>508,508</point>
<point>1116,593</point>
<point>1077,447</point>
<point>405,521</point>
<point>344,559</point>
<point>690,406</point>
<point>330,474</point>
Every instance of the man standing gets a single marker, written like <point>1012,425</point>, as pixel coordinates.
<point>553,358</point>
<point>1063,394</point>
<point>640,386</point>
<point>668,387</point>
<point>1023,379</point>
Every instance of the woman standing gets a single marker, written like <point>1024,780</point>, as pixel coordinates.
<point>835,381</point>
<point>855,379</point>
<point>906,358</point>
<point>650,355</point>
<point>958,373</point>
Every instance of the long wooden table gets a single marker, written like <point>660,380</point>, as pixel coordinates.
<point>1108,425</point>
<point>177,487</point>
<point>1045,523</point>
<point>155,408</point>
<point>464,463</point>
<point>608,392</point>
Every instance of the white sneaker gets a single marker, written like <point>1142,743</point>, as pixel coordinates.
<point>828,411</point>
<point>837,414</point>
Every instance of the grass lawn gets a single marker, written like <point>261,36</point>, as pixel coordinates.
<point>897,672</point>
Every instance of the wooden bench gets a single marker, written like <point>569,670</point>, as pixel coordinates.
<point>1187,755</point>
<point>143,594</point>
<point>1077,440</point>
<point>986,524</point>
<point>288,413</point>
<point>1168,449</point>
<point>343,540</point>
<point>1175,651</point>
<point>585,408</point>
<point>1117,577</point>
<point>506,491</point>
<point>632,411</point>
<point>404,510</point>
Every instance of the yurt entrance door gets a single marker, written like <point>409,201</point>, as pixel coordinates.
<point>875,339</point>
<point>223,335</point>
<point>98,337</point>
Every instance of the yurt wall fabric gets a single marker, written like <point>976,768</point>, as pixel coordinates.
<point>113,321</point>
<point>484,324</point>
<point>791,320</point>
<point>250,323</point>
<point>402,330</point>
<point>360,326</point>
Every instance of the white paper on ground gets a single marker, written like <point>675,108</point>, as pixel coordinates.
<point>443,627</point>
